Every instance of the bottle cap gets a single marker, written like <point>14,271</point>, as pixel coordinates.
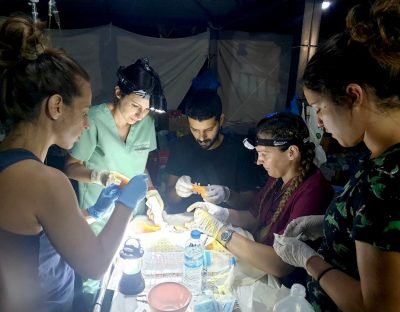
<point>195,234</point>
<point>298,290</point>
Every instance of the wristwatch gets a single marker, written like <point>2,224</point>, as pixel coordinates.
<point>226,236</point>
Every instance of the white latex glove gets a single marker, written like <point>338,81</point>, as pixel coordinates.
<point>217,194</point>
<point>206,223</point>
<point>105,178</point>
<point>305,228</point>
<point>217,212</point>
<point>293,251</point>
<point>155,206</point>
<point>154,195</point>
<point>183,186</point>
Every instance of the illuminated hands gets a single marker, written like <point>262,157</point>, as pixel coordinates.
<point>290,247</point>
<point>105,202</point>
<point>206,223</point>
<point>217,194</point>
<point>293,251</point>
<point>105,177</point>
<point>183,186</point>
<point>305,228</point>
<point>220,213</point>
<point>155,206</point>
<point>134,192</point>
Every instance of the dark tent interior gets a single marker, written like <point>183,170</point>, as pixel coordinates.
<point>297,24</point>
<point>253,52</point>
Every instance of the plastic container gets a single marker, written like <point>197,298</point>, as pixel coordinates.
<point>295,302</point>
<point>168,297</point>
<point>193,263</point>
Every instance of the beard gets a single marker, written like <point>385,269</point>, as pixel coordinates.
<point>206,144</point>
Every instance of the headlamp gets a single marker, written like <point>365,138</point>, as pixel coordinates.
<point>155,94</point>
<point>158,103</point>
<point>142,94</point>
<point>273,142</point>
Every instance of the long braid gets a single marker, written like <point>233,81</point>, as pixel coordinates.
<point>280,130</point>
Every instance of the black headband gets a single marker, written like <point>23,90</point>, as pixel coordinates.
<point>279,142</point>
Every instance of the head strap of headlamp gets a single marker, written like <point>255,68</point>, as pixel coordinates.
<point>274,143</point>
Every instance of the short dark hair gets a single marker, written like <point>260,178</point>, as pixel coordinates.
<point>135,77</point>
<point>203,105</point>
<point>140,76</point>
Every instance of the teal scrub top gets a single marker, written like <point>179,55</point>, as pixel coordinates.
<point>101,148</point>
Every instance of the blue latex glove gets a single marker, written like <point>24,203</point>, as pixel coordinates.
<point>134,192</point>
<point>105,202</point>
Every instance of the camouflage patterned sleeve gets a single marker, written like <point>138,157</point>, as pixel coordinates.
<point>377,217</point>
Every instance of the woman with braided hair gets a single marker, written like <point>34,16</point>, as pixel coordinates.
<point>353,83</point>
<point>295,188</point>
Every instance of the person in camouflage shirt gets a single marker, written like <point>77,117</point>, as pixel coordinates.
<point>354,216</point>
<point>353,83</point>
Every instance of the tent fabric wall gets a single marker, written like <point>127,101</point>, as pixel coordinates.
<point>177,60</point>
<point>253,68</point>
<point>254,74</point>
<point>86,46</point>
<point>101,50</point>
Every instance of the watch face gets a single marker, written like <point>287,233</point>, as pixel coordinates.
<point>226,236</point>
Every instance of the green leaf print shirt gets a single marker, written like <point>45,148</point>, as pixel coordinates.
<point>368,210</point>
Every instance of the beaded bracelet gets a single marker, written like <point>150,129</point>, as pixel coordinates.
<point>324,272</point>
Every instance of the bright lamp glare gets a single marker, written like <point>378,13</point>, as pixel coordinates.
<point>326,5</point>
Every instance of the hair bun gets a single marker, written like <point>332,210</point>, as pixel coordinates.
<point>31,53</point>
<point>21,39</point>
<point>377,27</point>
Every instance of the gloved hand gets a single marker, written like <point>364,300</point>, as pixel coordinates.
<point>134,192</point>
<point>220,213</point>
<point>206,223</point>
<point>105,178</point>
<point>217,194</point>
<point>155,206</point>
<point>308,227</point>
<point>105,202</point>
<point>183,186</point>
<point>293,251</point>
<point>154,196</point>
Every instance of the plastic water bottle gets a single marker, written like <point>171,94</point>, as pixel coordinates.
<point>193,263</point>
<point>295,302</point>
<point>204,273</point>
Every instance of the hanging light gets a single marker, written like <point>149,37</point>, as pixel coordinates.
<point>326,5</point>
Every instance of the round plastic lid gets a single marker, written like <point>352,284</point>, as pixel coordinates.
<point>195,234</point>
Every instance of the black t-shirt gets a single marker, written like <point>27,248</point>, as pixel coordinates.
<point>230,164</point>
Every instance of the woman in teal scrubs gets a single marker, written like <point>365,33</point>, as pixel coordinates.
<point>120,136</point>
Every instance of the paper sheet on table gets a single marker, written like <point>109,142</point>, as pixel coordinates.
<point>254,290</point>
<point>259,297</point>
